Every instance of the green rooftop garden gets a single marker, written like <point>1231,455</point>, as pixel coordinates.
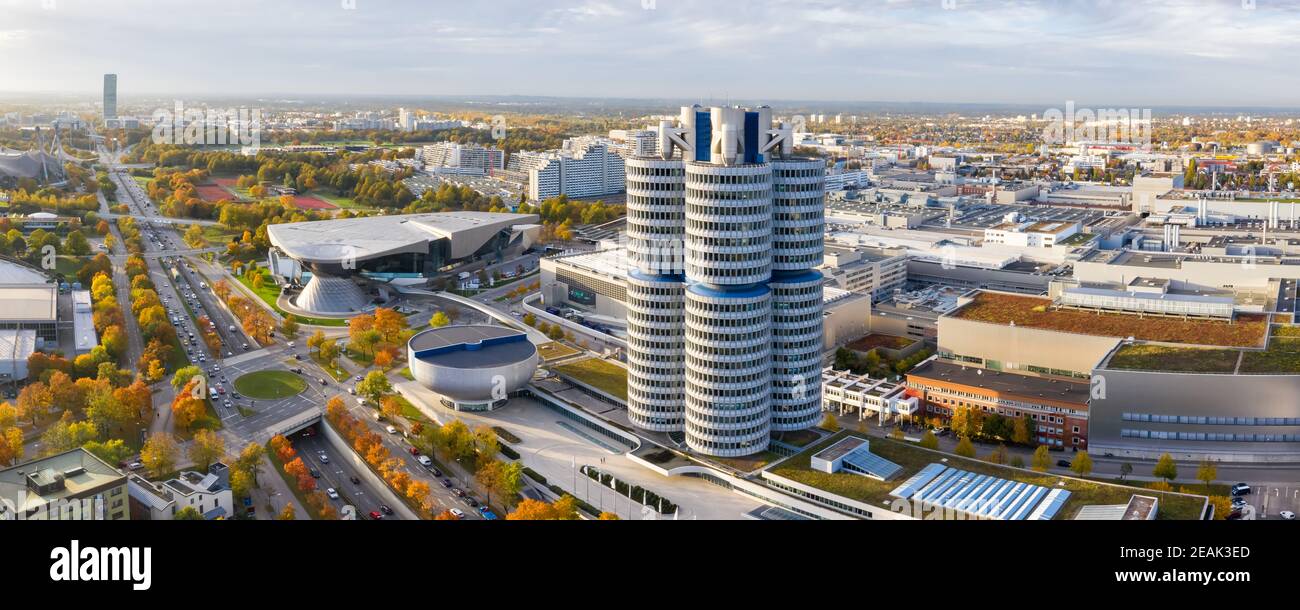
<point>1037,312</point>
<point>1174,359</point>
<point>606,377</point>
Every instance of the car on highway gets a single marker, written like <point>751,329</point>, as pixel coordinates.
<point>134,466</point>
<point>1238,501</point>
<point>355,480</point>
<point>1241,489</point>
<point>314,474</point>
<point>458,513</point>
<point>384,509</point>
<point>471,501</point>
<point>446,483</point>
<point>374,514</point>
<point>415,451</point>
<point>391,429</point>
<point>435,471</point>
<point>425,461</point>
<point>324,459</point>
<point>357,378</point>
<point>459,493</point>
<point>487,513</point>
<point>329,491</point>
<point>1063,463</point>
<point>228,405</point>
<point>1287,515</point>
<point>321,380</point>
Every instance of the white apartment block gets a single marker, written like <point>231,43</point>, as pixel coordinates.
<point>476,159</point>
<point>585,167</point>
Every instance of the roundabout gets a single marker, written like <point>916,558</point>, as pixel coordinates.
<point>270,385</point>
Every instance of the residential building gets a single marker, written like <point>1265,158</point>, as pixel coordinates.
<point>481,160</point>
<point>207,493</point>
<point>71,486</point>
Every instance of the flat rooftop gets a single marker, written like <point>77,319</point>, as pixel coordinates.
<point>80,471</point>
<point>477,346</point>
<point>1037,312</point>
<point>1005,384</point>
<point>29,303</point>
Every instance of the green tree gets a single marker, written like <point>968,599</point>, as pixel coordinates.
<point>439,320</point>
<point>183,376</point>
<point>206,448</point>
<point>1125,469</point>
<point>375,386</point>
<point>1082,464</point>
<point>189,513</point>
<point>1207,472</point>
<point>289,326</point>
<point>930,441</point>
<point>1166,468</point>
<point>965,448</point>
<point>1041,460</point>
<point>830,424</point>
<point>997,456</point>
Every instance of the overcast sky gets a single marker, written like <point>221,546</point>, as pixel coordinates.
<point>1121,52</point>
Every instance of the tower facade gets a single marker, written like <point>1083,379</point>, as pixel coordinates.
<point>110,96</point>
<point>724,306</point>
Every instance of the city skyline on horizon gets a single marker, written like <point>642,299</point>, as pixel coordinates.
<point>831,51</point>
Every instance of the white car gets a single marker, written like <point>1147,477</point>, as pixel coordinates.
<point>391,430</point>
<point>324,459</point>
<point>424,461</point>
<point>458,512</point>
<point>1287,515</point>
<point>329,491</point>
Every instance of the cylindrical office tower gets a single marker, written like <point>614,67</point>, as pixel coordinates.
<point>728,369</point>
<point>656,351</point>
<point>798,201</point>
<point>798,207</point>
<point>797,345</point>
<point>728,223</point>
<point>728,305</point>
<point>655,302</point>
<point>656,215</point>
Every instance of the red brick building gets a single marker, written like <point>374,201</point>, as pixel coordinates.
<point>1058,406</point>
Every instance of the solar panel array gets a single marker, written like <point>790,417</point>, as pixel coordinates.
<point>976,495</point>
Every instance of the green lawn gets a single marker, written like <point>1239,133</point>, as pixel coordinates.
<point>270,385</point>
<point>912,459</point>
<point>270,293</point>
<point>337,374</point>
<point>597,373</point>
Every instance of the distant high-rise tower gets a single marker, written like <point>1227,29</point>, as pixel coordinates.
<point>724,313</point>
<point>110,96</point>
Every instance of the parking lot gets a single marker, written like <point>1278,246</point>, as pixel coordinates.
<point>1269,500</point>
<point>984,216</point>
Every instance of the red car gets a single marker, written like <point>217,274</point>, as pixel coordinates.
<point>415,451</point>
<point>374,514</point>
